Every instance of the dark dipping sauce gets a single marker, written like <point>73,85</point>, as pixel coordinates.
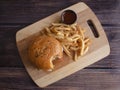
<point>69,17</point>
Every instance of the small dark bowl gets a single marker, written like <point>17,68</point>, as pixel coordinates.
<point>68,17</point>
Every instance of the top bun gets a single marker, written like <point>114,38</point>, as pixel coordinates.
<point>43,51</point>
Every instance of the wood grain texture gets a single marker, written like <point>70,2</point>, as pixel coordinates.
<point>16,12</point>
<point>98,49</point>
<point>15,15</point>
<point>102,79</point>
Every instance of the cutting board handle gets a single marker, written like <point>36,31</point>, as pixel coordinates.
<point>93,28</point>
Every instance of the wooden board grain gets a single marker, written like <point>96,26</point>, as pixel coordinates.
<point>98,50</point>
<point>102,79</point>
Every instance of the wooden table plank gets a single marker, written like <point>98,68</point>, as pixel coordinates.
<point>32,11</point>
<point>100,79</point>
<point>16,14</point>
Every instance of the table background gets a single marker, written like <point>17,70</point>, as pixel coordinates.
<point>17,14</point>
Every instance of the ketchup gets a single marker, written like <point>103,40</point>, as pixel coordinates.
<point>69,17</point>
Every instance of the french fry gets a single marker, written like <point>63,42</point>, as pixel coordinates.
<point>66,51</point>
<point>82,45</point>
<point>74,48</point>
<point>86,40</point>
<point>75,56</point>
<point>59,24</point>
<point>86,50</point>
<point>47,30</point>
<point>71,37</point>
<point>80,31</point>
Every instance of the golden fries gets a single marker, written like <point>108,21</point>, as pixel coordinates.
<point>71,38</point>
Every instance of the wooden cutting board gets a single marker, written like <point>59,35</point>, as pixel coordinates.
<point>98,49</point>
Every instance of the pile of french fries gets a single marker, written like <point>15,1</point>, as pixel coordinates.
<point>71,37</point>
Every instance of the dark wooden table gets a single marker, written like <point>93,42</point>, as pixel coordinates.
<point>16,14</point>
